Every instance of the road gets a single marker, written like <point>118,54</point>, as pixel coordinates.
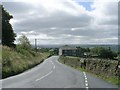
<point>53,74</point>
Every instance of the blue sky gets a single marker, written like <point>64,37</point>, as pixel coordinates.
<point>87,5</point>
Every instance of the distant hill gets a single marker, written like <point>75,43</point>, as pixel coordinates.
<point>113,47</point>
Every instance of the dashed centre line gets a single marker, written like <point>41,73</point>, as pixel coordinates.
<point>47,73</point>
<point>53,65</point>
<point>44,76</point>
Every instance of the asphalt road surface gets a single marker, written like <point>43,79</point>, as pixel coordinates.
<point>53,74</point>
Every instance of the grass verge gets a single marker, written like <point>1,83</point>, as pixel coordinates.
<point>18,61</point>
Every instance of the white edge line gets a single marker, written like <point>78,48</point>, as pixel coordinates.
<point>86,82</point>
<point>84,73</point>
<point>85,78</point>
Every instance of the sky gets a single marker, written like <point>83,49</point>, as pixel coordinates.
<point>65,21</point>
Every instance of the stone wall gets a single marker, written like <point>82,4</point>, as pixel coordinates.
<point>102,67</point>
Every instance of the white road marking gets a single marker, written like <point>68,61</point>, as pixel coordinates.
<point>44,76</point>
<point>84,73</point>
<point>86,84</point>
<point>54,67</point>
<point>52,62</point>
<point>87,88</point>
<point>86,81</point>
<point>48,73</point>
<point>85,78</point>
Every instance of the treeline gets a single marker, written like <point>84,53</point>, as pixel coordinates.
<point>99,52</point>
<point>104,52</point>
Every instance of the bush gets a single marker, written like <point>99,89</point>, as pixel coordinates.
<point>24,51</point>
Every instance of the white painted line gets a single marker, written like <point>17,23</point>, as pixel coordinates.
<point>86,84</point>
<point>87,88</point>
<point>86,81</point>
<point>54,67</point>
<point>86,78</point>
<point>84,73</point>
<point>52,62</point>
<point>44,76</point>
<point>48,73</point>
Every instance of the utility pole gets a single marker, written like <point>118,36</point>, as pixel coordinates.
<point>36,45</point>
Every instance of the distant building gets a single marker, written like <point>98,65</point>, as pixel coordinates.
<point>67,50</point>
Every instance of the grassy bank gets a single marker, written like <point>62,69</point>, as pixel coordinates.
<point>0,62</point>
<point>15,61</point>
<point>0,57</point>
<point>105,69</point>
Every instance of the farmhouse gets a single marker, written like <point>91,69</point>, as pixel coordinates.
<point>67,50</point>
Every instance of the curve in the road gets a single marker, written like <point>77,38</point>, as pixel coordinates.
<point>47,73</point>
<point>52,74</point>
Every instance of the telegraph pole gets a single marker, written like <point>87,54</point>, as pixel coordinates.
<point>36,45</point>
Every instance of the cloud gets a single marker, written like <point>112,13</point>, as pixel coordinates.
<point>61,22</point>
<point>105,12</point>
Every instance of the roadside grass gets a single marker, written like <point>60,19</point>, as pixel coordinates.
<point>74,62</point>
<point>113,79</point>
<point>0,56</point>
<point>0,61</point>
<point>18,61</point>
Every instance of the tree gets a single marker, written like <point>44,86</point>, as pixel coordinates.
<point>87,50</point>
<point>79,52</point>
<point>8,35</point>
<point>24,42</point>
<point>104,52</point>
